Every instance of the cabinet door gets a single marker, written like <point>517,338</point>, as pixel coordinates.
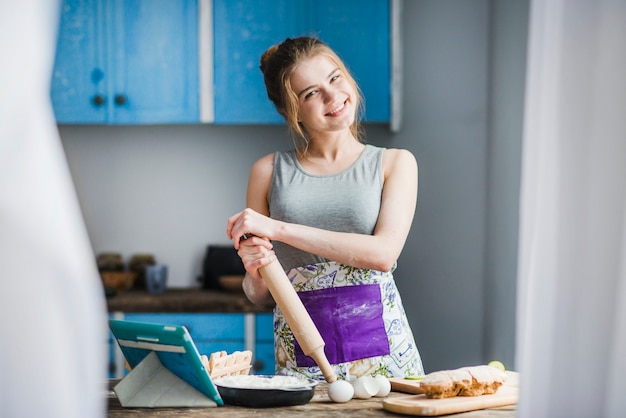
<point>201,326</point>
<point>243,29</point>
<point>357,30</point>
<point>153,61</point>
<point>78,79</point>
<point>123,62</point>
<point>264,359</point>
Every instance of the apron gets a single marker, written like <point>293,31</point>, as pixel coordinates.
<point>360,316</point>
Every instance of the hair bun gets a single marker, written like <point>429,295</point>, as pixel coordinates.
<point>267,55</point>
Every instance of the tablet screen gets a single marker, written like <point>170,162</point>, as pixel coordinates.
<point>174,347</point>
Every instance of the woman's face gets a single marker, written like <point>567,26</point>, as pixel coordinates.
<point>325,96</point>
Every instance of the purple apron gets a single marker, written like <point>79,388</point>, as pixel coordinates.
<point>350,321</point>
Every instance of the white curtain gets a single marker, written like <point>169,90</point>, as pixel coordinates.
<point>571,331</point>
<point>53,358</point>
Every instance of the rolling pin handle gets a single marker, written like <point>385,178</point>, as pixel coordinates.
<point>324,365</point>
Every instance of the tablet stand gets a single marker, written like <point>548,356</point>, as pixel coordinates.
<point>152,385</point>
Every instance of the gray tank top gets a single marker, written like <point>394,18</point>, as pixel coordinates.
<point>348,201</point>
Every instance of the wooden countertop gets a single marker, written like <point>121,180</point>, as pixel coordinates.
<point>201,300</point>
<point>319,407</point>
<point>184,300</point>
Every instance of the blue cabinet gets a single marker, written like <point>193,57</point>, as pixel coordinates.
<point>359,31</point>
<point>210,332</point>
<point>127,62</point>
<point>166,61</point>
<point>213,332</point>
<point>264,362</point>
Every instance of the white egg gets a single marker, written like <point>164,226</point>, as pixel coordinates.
<point>384,386</point>
<point>340,391</point>
<point>365,387</point>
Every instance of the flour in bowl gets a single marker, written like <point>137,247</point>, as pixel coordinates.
<point>263,382</point>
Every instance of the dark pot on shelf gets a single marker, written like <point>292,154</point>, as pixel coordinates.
<point>110,261</point>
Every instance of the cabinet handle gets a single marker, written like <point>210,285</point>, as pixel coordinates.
<point>98,100</point>
<point>120,99</point>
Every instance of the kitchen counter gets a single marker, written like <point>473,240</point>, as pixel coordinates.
<point>184,300</point>
<point>319,407</point>
<point>192,300</point>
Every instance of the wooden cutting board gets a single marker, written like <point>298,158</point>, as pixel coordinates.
<point>418,404</point>
<point>404,385</point>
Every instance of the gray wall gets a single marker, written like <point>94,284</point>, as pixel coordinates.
<point>169,190</point>
<point>509,23</point>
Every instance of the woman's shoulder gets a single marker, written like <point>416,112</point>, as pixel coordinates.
<point>390,152</point>
<point>398,158</point>
<point>267,163</point>
<point>398,155</point>
<point>391,156</point>
<point>264,165</point>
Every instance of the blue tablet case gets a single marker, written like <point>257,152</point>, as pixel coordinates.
<point>166,367</point>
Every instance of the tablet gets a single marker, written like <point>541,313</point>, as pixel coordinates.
<point>174,347</point>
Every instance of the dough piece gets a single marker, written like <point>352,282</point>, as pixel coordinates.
<point>481,380</point>
<point>486,380</point>
<point>439,385</point>
<point>466,381</point>
<point>461,378</point>
<point>222,364</point>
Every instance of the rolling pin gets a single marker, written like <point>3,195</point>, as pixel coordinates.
<point>297,317</point>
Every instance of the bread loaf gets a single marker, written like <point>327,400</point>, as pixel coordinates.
<point>466,381</point>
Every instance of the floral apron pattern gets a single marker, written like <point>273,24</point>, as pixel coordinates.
<point>360,317</point>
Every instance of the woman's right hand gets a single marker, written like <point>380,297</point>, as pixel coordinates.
<point>255,252</point>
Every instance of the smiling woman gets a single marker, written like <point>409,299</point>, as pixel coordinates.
<point>336,212</point>
<point>286,87</point>
<point>327,104</point>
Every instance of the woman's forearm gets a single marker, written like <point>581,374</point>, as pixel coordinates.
<point>377,252</point>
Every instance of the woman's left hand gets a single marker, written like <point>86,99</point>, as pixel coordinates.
<point>249,222</point>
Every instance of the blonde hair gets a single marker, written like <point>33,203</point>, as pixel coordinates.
<point>278,63</point>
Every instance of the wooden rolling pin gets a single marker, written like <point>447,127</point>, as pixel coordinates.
<point>297,317</point>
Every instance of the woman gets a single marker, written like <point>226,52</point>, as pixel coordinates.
<point>336,213</point>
